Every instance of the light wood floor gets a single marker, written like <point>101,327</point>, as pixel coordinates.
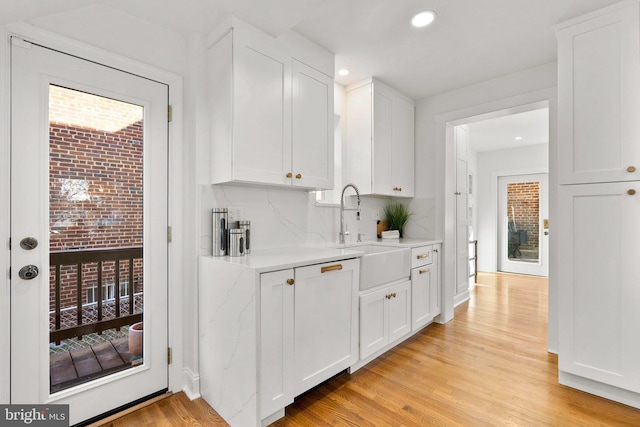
<point>487,367</point>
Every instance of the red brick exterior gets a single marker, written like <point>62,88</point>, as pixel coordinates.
<point>523,199</point>
<point>95,182</point>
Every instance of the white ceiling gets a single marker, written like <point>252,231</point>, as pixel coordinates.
<point>470,41</point>
<point>501,133</point>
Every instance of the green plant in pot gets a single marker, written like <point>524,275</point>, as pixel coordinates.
<point>396,215</point>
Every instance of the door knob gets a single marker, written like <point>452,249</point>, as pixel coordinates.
<point>28,272</point>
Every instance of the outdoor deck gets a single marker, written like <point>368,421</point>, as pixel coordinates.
<point>88,363</point>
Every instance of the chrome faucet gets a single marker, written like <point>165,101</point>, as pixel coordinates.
<point>344,232</point>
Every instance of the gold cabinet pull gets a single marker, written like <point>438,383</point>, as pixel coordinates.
<point>393,294</point>
<point>631,192</point>
<point>387,296</point>
<point>435,250</point>
<point>328,268</point>
<point>424,270</point>
<point>422,256</point>
<point>290,281</point>
<point>289,175</point>
<point>299,176</point>
<point>397,188</point>
<point>631,169</point>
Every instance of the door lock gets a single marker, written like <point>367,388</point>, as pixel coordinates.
<point>28,272</point>
<point>28,243</point>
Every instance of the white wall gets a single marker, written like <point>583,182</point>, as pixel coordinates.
<point>490,164</point>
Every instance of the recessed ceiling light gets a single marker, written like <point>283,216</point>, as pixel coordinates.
<point>423,19</point>
<point>518,138</point>
<point>343,72</point>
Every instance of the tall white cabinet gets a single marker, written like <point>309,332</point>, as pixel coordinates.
<point>271,104</point>
<point>599,202</point>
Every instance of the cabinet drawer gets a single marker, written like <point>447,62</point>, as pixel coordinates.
<point>422,255</point>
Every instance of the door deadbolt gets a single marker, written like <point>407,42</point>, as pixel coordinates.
<point>28,243</point>
<point>28,272</point>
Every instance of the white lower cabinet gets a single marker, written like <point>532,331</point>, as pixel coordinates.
<point>425,287</point>
<point>321,302</point>
<point>385,316</point>
<point>276,341</point>
<point>600,295</point>
<point>326,321</point>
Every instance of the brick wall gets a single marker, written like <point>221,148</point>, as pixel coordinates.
<point>95,181</point>
<point>523,199</point>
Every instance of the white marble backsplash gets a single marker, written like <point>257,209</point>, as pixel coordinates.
<point>284,217</point>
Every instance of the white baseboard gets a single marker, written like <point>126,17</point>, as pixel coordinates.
<point>191,383</point>
<point>599,389</point>
<point>460,298</point>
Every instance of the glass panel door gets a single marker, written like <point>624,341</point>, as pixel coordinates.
<point>88,200</point>
<point>96,297</point>
<point>522,210</point>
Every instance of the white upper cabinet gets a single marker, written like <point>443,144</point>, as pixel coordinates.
<point>380,140</point>
<point>271,114</point>
<point>599,98</point>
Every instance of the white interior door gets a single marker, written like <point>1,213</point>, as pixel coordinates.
<point>462,211</point>
<point>523,233</point>
<point>89,188</point>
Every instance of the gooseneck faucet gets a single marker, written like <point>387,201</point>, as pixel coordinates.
<point>343,232</point>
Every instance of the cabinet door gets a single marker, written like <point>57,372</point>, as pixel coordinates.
<point>276,342</point>
<point>261,111</point>
<point>313,123</point>
<point>599,276</point>
<point>374,334</point>
<point>435,285</point>
<point>326,321</point>
<point>399,310</point>
<point>382,179</point>
<point>402,154</point>
<point>421,305</point>
<point>599,98</point>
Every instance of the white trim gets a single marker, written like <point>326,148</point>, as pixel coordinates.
<point>5,132</point>
<point>445,215</point>
<point>191,383</point>
<point>175,217</point>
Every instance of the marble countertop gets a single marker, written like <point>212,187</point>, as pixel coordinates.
<point>265,260</point>
<point>402,243</point>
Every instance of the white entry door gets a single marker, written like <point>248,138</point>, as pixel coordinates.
<point>88,233</point>
<point>523,231</point>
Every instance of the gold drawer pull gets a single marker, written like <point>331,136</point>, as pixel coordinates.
<point>290,281</point>
<point>435,250</point>
<point>631,169</point>
<point>424,270</point>
<point>289,175</point>
<point>631,192</point>
<point>422,256</point>
<point>328,268</point>
<point>299,176</point>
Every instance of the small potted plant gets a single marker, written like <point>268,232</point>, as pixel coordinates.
<point>396,215</point>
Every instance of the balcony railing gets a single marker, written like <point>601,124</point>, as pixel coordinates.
<point>121,310</point>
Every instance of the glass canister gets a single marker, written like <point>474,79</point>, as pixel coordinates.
<point>236,241</point>
<point>220,220</point>
<point>246,226</point>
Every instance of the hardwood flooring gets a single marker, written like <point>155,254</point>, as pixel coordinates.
<point>487,367</point>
